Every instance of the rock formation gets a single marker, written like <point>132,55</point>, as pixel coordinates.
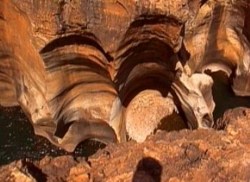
<point>199,155</point>
<point>115,70</point>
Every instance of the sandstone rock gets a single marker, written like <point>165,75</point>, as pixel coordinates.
<point>20,176</point>
<point>80,69</point>
<point>78,174</point>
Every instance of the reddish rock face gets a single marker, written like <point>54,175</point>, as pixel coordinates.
<point>105,69</point>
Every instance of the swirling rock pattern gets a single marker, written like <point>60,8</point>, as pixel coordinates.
<point>117,70</point>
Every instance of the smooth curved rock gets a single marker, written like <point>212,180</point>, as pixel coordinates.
<point>221,31</point>
<point>79,90</point>
<point>79,74</point>
<point>196,99</point>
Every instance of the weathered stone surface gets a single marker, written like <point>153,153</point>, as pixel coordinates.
<point>199,155</point>
<point>103,69</point>
<point>224,26</point>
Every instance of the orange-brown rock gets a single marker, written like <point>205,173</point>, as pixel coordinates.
<point>102,69</point>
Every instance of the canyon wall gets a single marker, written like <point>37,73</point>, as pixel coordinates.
<point>117,70</point>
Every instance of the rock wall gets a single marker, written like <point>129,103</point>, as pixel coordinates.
<point>119,70</point>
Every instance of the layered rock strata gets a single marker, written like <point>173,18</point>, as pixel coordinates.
<point>117,70</point>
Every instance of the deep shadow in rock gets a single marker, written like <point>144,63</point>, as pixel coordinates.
<point>246,28</point>
<point>18,141</point>
<point>35,172</point>
<point>148,170</point>
<point>173,122</point>
<point>224,96</point>
<point>88,147</point>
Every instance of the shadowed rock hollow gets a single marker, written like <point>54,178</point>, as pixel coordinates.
<point>113,71</point>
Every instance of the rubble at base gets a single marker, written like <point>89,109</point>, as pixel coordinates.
<point>198,155</point>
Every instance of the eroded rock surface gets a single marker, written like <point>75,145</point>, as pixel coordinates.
<point>199,155</point>
<point>103,69</point>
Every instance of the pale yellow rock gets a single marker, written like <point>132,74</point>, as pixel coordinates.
<point>19,176</point>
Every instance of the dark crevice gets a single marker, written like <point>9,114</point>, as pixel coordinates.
<point>62,128</point>
<point>181,113</point>
<point>5,56</point>
<point>183,54</point>
<point>246,28</point>
<point>202,2</point>
<point>35,172</point>
<point>224,96</point>
<point>148,169</point>
<point>91,147</point>
<point>172,122</point>
<point>2,18</point>
<point>153,20</point>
